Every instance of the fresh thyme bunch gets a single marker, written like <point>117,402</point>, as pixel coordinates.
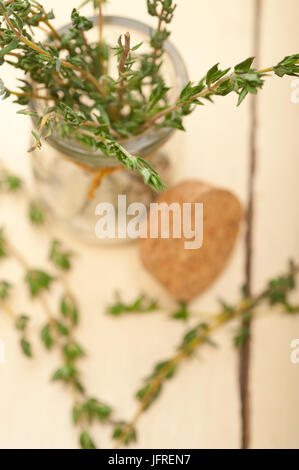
<point>82,100</point>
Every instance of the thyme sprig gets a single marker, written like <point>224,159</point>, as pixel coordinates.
<point>58,331</point>
<point>20,321</point>
<point>8,181</point>
<point>276,293</point>
<point>11,183</point>
<point>68,76</point>
<point>142,304</point>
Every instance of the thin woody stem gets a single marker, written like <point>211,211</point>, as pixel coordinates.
<point>7,309</point>
<point>121,68</point>
<point>184,353</point>
<point>101,26</point>
<point>247,306</point>
<point>31,95</point>
<point>55,33</point>
<point>100,22</point>
<point>44,19</point>
<point>155,53</point>
<point>26,266</point>
<point>46,118</point>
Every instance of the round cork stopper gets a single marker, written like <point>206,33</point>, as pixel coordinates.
<point>186,273</point>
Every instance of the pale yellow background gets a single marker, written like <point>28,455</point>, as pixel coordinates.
<point>199,408</point>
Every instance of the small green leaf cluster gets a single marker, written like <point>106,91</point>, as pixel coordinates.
<point>162,371</point>
<point>125,432</point>
<point>79,22</point>
<point>281,287</point>
<point>191,337</point>
<point>2,244</point>
<point>21,322</point>
<point>85,414</point>
<point>69,309</point>
<point>182,313</point>
<point>91,410</point>
<point>59,332</point>
<point>38,281</point>
<point>5,288</point>
<point>21,325</point>
<point>36,213</point>
<point>287,66</point>
<point>86,441</point>
<point>61,259</point>
<point>163,10</point>
<point>8,181</point>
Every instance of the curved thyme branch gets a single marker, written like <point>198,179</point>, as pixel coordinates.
<point>153,388</point>
<point>60,334</point>
<point>209,90</point>
<point>20,321</point>
<point>164,14</point>
<point>45,20</point>
<point>275,294</point>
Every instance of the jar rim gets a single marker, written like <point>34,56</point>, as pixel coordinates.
<point>153,137</point>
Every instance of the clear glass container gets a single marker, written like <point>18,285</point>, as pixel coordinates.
<point>62,186</point>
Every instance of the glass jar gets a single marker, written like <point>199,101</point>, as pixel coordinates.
<point>62,186</point>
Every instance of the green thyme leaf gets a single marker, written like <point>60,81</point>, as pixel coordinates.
<point>46,336</point>
<point>38,281</point>
<point>22,322</point>
<point>86,441</point>
<point>26,347</point>
<point>62,259</point>
<point>4,289</point>
<point>73,351</point>
<point>142,304</point>
<point>36,214</point>
<point>68,308</point>
<point>65,373</point>
<point>182,313</point>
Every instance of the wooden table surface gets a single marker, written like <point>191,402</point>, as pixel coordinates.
<point>199,408</point>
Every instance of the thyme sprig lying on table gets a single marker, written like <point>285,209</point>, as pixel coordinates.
<point>69,76</point>
<point>58,331</point>
<point>142,304</point>
<point>275,294</point>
